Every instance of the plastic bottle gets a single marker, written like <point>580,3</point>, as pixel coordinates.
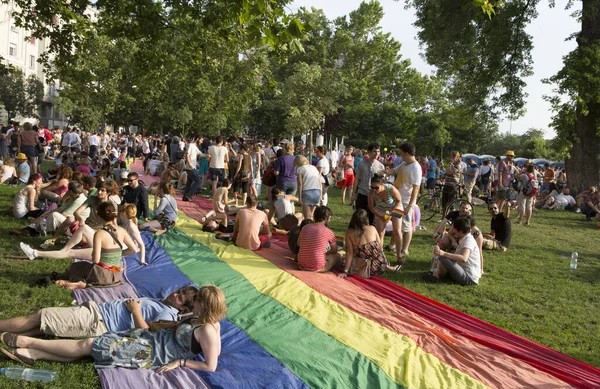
<point>574,258</point>
<point>435,261</point>
<point>44,226</point>
<point>29,374</point>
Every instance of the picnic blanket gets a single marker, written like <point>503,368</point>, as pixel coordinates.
<point>327,332</point>
<point>242,363</point>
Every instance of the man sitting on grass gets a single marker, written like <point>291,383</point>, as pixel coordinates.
<point>501,230</point>
<point>464,266</point>
<point>251,229</point>
<point>318,248</point>
<point>90,319</point>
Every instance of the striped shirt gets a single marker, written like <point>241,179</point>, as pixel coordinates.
<point>315,241</point>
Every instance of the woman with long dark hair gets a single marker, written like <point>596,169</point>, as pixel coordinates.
<point>364,248</point>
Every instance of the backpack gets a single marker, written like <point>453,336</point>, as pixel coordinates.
<point>532,187</point>
<point>485,178</point>
<point>269,178</point>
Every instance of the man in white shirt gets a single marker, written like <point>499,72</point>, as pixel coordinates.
<point>464,265</point>
<point>191,167</point>
<point>408,181</point>
<point>561,201</point>
<point>66,138</point>
<point>94,142</point>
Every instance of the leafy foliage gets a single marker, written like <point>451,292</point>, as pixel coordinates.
<point>19,95</point>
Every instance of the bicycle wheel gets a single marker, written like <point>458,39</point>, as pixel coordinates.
<point>429,205</point>
<point>455,205</point>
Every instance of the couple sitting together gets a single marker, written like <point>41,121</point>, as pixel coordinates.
<point>121,333</point>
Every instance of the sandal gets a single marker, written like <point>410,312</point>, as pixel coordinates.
<point>9,339</point>
<point>17,358</point>
<point>397,268</point>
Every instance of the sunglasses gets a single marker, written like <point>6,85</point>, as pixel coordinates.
<point>374,187</point>
<point>130,180</point>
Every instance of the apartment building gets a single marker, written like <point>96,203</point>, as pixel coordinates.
<point>20,50</point>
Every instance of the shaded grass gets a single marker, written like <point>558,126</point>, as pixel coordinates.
<point>528,290</point>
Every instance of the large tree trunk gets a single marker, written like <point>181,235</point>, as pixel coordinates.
<point>583,167</point>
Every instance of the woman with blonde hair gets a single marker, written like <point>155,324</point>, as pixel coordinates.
<point>309,185</point>
<point>165,216</point>
<point>128,218</point>
<point>165,350</point>
<point>8,170</point>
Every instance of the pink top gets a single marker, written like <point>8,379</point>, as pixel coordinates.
<point>314,242</point>
<point>249,222</point>
<point>84,169</point>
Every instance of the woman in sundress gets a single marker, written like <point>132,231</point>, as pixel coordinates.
<point>363,241</point>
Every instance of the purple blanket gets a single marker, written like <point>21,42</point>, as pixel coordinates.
<point>142,379</point>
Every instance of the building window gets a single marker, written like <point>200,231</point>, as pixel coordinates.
<point>32,61</point>
<point>12,50</point>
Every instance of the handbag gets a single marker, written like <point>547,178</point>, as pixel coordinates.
<point>361,267</point>
<point>94,275</point>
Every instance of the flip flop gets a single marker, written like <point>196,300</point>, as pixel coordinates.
<point>9,339</point>
<point>397,268</point>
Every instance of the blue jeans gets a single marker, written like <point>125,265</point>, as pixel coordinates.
<point>288,187</point>
<point>174,148</point>
<point>193,183</point>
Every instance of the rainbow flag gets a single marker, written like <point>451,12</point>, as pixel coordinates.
<point>351,333</point>
<point>397,213</point>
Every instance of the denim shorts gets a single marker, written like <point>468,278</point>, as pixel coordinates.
<point>311,197</point>
<point>218,174</point>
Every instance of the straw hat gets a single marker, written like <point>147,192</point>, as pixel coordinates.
<point>510,153</point>
<point>21,157</point>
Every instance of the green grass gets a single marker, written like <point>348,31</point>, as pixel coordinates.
<point>528,290</point>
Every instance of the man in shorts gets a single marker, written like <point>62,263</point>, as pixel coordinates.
<point>91,320</point>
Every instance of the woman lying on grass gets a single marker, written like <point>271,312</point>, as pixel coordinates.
<point>139,348</point>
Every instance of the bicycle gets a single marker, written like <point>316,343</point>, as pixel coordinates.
<point>430,204</point>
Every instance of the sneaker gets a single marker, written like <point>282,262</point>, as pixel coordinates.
<point>48,244</point>
<point>184,198</point>
<point>266,245</point>
<point>28,250</point>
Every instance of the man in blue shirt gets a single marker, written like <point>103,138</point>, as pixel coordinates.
<point>431,174</point>
<point>23,169</point>
<point>91,320</point>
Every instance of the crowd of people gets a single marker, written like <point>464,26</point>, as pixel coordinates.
<point>95,204</point>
